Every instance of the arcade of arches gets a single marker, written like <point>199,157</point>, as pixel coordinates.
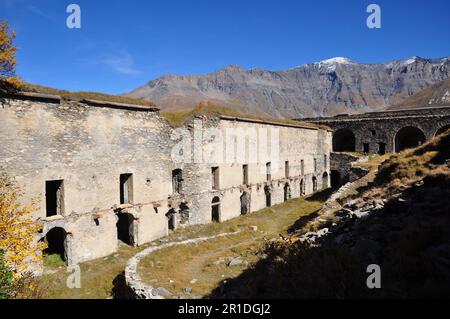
<point>344,141</point>
<point>408,137</point>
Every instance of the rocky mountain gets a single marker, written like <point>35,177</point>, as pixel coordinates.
<point>329,87</point>
<point>435,95</point>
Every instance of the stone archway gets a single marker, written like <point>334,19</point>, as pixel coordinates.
<point>245,203</point>
<point>335,179</point>
<point>126,228</point>
<point>215,209</point>
<point>314,183</point>
<point>344,141</point>
<point>171,222</point>
<point>56,239</point>
<point>442,129</point>
<point>408,137</point>
<point>302,187</point>
<point>287,192</point>
<point>268,194</point>
<point>325,182</point>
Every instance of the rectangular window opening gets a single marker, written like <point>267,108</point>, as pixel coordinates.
<point>366,148</point>
<point>177,181</point>
<point>126,189</point>
<point>286,169</point>
<point>215,178</point>
<point>269,171</point>
<point>54,196</point>
<point>381,148</point>
<point>245,174</point>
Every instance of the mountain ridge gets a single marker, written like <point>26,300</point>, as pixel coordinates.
<point>328,87</point>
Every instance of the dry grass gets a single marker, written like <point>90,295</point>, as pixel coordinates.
<point>327,214</point>
<point>410,166</point>
<point>178,118</point>
<point>198,261</point>
<point>100,278</point>
<point>85,95</point>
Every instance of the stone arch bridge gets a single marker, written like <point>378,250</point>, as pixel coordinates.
<point>386,131</point>
<point>379,133</point>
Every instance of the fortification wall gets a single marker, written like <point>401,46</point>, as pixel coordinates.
<point>109,174</point>
<point>88,147</point>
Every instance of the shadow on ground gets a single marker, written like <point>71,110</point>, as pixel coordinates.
<point>120,289</point>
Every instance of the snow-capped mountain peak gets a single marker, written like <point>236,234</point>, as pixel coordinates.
<point>336,60</point>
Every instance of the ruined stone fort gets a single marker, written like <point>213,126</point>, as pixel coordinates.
<point>103,172</point>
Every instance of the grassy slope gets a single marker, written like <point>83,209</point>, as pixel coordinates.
<point>422,98</point>
<point>409,239</point>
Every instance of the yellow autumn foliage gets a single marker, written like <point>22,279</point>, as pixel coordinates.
<point>8,62</point>
<point>17,229</point>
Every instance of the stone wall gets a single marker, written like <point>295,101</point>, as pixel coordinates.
<point>296,143</point>
<point>88,145</point>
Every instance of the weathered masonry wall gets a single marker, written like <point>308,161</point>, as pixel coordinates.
<point>103,172</point>
<point>384,132</point>
<point>88,147</point>
<point>232,195</point>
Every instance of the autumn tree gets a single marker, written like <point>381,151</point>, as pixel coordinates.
<point>8,79</point>
<point>18,246</point>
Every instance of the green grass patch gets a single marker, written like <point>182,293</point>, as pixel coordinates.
<point>54,260</point>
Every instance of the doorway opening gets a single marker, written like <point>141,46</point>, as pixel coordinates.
<point>56,243</point>
<point>125,228</point>
<point>215,209</point>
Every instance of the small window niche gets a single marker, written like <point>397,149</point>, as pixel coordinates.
<point>366,148</point>
<point>286,169</point>
<point>245,174</point>
<point>54,197</point>
<point>268,171</point>
<point>177,181</point>
<point>215,173</point>
<point>381,148</point>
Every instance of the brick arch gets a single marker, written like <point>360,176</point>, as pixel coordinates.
<point>408,137</point>
<point>58,242</point>
<point>344,140</point>
<point>442,128</point>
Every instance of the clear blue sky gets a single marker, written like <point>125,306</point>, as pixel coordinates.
<point>124,44</point>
